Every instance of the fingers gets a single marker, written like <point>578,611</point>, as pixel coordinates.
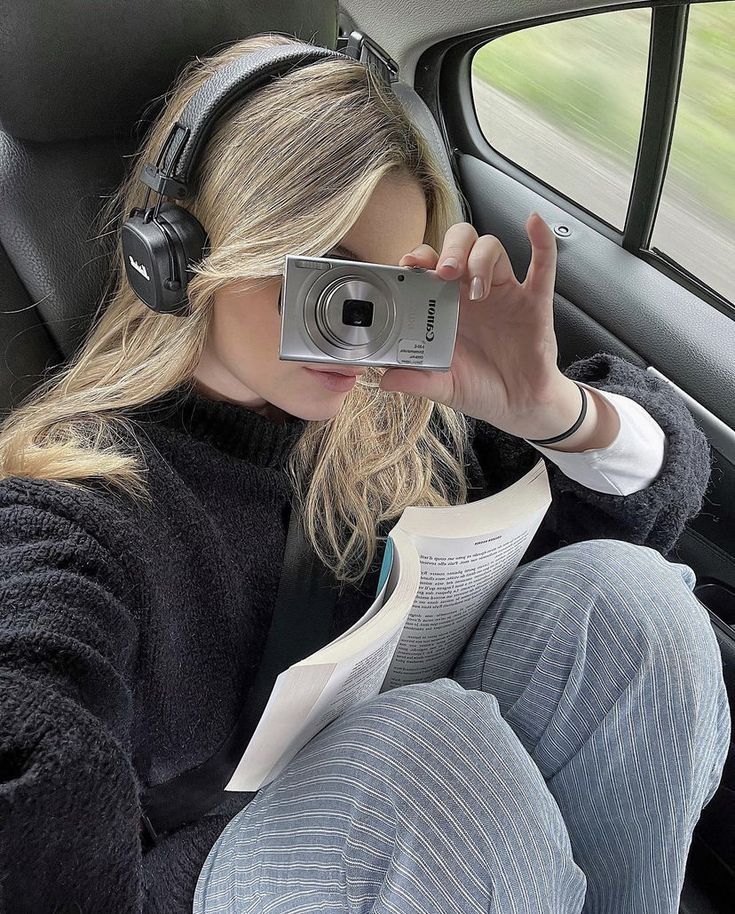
<point>541,274</point>
<point>481,261</point>
<point>422,256</point>
<point>489,262</point>
<point>458,242</point>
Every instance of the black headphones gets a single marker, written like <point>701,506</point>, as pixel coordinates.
<point>161,242</point>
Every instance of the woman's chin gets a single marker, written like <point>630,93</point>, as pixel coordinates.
<point>313,414</point>
<point>319,409</point>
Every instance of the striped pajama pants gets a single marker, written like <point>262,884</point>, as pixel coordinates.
<point>561,768</point>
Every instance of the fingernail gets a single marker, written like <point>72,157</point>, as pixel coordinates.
<point>476,288</point>
<point>450,262</point>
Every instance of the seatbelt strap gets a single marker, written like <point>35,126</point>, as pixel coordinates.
<point>300,625</point>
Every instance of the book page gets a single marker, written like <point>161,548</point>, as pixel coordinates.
<point>441,569</point>
<point>460,577</point>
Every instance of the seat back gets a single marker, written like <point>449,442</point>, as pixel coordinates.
<point>79,92</point>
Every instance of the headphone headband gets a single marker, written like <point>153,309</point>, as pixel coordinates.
<point>230,83</point>
<point>160,244</point>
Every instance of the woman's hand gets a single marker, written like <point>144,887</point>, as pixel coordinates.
<point>504,367</point>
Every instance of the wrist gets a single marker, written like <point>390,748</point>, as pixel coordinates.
<point>554,413</point>
<point>598,429</point>
<point>599,432</point>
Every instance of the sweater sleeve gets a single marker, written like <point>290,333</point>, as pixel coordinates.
<point>69,807</point>
<point>654,516</point>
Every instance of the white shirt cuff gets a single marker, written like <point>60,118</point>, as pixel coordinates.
<point>630,463</point>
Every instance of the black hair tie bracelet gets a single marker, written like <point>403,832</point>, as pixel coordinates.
<point>570,431</point>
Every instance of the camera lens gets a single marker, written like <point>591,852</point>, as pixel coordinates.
<point>350,316</point>
<point>356,312</point>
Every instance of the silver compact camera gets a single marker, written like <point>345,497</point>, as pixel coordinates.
<point>353,312</point>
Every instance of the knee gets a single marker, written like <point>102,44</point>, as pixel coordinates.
<point>626,562</point>
<point>633,593</point>
<point>447,751</point>
<point>425,723</point>
<point>401,780</point>
<point>434,734</point>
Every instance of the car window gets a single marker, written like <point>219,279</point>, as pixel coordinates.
<point>564,102</point>
<point>695,223</point>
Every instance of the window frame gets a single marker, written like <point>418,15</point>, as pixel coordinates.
<point>444,80</point>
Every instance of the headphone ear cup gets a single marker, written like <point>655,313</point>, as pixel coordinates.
<point>146,256</point>
<point>157,253</point>
<point>189,241</point>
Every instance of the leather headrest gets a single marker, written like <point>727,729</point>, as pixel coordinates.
<point>72,70</point>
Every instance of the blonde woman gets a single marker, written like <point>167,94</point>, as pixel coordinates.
<point>144,502</point>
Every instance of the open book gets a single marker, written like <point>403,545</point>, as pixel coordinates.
<point>441,569</point>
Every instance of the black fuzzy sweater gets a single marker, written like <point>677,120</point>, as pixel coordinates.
<point>129,632</point>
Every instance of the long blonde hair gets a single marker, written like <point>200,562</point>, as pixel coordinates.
<point>304,152</point>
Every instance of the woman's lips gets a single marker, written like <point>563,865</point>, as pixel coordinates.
<point>333,380</point>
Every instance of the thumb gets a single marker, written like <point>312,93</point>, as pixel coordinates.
<point>410,381</point>
<point>401,379</point>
